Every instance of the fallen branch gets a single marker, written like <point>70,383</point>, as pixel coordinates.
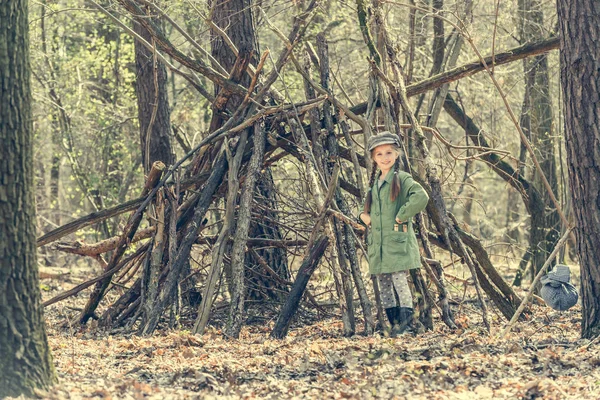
<point>87,284</point>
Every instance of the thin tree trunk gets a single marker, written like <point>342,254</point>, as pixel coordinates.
<point>545,225</point>
<point>56,132</point>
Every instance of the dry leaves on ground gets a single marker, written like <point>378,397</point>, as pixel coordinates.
<point>541,358</point>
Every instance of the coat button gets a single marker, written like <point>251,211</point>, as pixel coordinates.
<point>376,213</point>
<point>377,228</point>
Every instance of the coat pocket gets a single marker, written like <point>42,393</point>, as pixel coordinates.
<point>397,244</point>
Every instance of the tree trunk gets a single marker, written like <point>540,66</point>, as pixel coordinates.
<point>234,17</point>
<point>579,22</point>
<point>538,107</point>
<point>25,360</point>
<point>154,115</point>
<point>56,135</point>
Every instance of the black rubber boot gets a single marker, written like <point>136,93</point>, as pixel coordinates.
<point>405,316</point>
<point>393,314</point>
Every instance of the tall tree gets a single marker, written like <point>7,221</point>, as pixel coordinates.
<point>537,121</point>
<point>579,23</point>
<point>153,105</point>
<point>25,360</point>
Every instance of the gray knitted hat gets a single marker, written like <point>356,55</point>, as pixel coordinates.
<point>385,137</point>
<point>557,291</point>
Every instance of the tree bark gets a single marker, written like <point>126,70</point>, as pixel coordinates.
<point>235,18</point>
<point>25,360</point>
<point>579,23</point>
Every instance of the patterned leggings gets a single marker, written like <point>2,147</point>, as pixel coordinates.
<point>397,280</point>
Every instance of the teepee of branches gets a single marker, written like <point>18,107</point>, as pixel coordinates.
<point>324,138</point>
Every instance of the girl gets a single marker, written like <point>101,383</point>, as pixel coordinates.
<point>389,206</point>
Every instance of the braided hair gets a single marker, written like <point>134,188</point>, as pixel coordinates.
<point>369,197</point>
<point>395,189</point>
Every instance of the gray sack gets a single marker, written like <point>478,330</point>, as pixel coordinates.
<point>557,291</point>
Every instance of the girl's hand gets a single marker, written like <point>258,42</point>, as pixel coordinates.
<point>366,218</point>
<point>398,221</point>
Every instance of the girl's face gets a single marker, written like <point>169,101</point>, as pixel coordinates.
<point>385,156</point>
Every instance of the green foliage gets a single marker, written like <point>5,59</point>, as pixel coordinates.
<point>84,108</point>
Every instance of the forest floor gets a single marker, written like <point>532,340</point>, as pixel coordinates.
<point>541,358</point>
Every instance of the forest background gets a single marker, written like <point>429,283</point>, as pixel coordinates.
<point>90,153</point>
<point>86,118</point>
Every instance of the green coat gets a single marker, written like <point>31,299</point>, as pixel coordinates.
<point>391,251</point>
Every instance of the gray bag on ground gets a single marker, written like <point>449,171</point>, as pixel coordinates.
<point>557,291</point>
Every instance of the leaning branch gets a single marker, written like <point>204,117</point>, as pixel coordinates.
<point>537,278</point>
<point>473,67</point>
<point>102,215</point>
